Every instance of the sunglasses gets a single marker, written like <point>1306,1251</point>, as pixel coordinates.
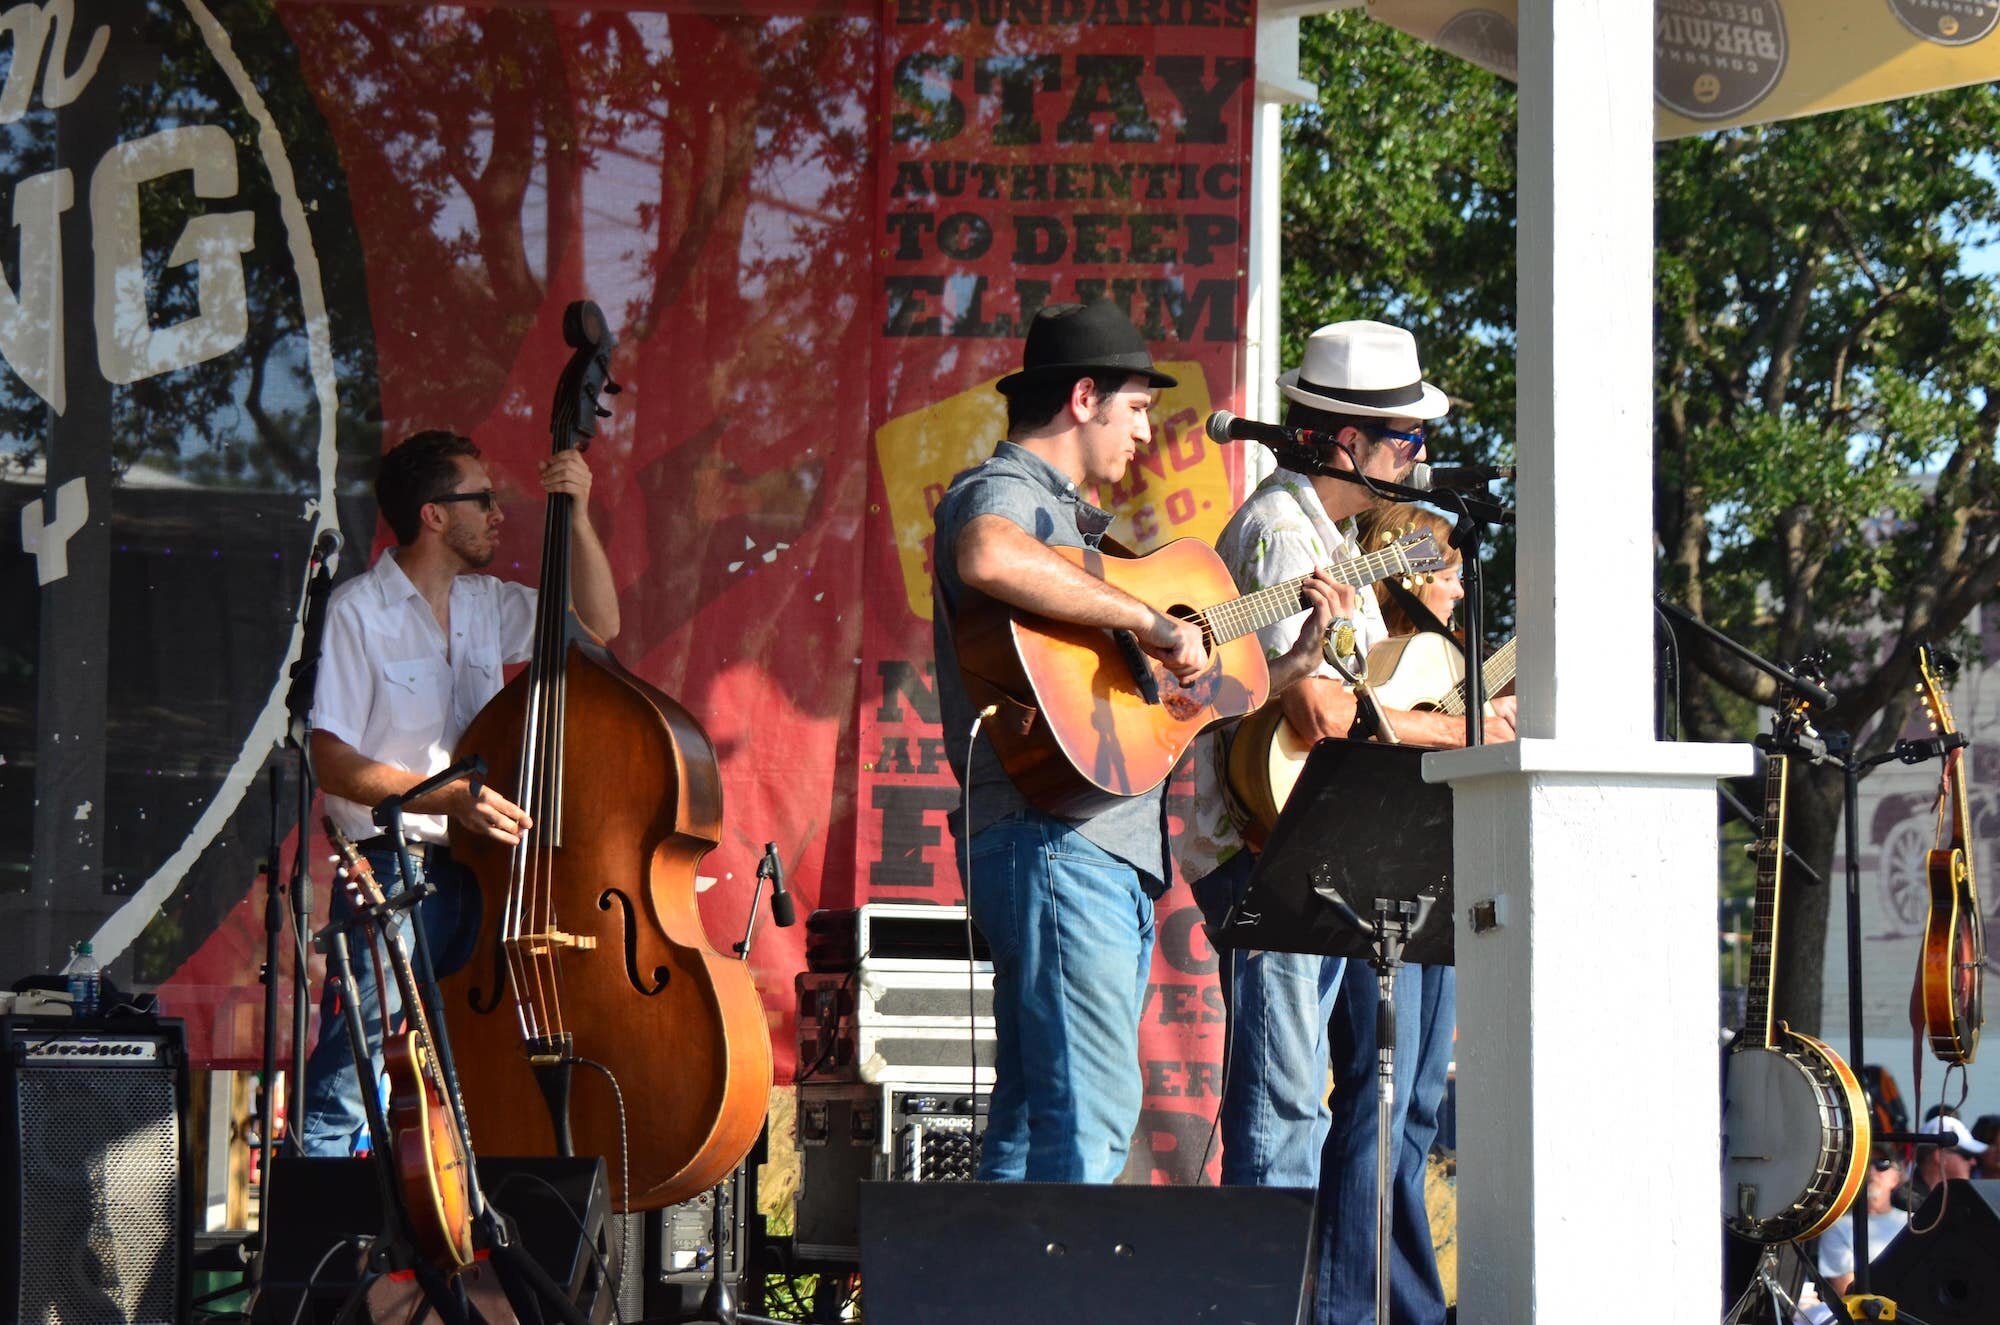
<point>484,497</point>
<point>1414,439</point>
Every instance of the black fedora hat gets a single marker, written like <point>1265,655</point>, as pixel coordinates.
<point>1079,340</point>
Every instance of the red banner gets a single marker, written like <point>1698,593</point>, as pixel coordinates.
<point>819,236</point>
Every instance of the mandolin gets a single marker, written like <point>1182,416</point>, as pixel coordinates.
<point>430,1150</point>
<point>1954,951</point>
<point>1086,717</point>
<point>1419,672</point>
<point>1795,1126</point>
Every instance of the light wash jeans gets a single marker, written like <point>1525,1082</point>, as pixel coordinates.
<point>335,1120</point>
<point>1274,1114</point>
<point>1071,931</point>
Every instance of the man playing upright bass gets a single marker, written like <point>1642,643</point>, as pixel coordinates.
<point>413,650</point>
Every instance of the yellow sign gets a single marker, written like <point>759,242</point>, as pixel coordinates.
<point>1177,487</point>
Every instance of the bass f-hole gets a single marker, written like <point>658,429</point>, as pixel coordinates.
<point>661,974</point>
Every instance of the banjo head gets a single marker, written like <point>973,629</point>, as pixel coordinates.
<point>1773,1156</point>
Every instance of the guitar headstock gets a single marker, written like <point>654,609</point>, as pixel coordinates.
<point>355,871</point>
<point>1935,666</point>
<point>1417,553</point>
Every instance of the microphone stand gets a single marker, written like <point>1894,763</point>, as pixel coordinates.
<point>298,735</point>
<point>1839,751</point>
<point>528,1286</point>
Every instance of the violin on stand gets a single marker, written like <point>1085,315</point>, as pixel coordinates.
<point>591,952</point>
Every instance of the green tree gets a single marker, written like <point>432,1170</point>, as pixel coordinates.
<point>1399,206</point>
<point>1824,427</point>
<point>1825,470</point>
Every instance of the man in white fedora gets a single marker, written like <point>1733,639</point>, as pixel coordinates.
<point>1294,1014</point>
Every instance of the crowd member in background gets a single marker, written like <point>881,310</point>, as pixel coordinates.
<point>1939,1163</point>
<point>1836,1245</point>
<point>1986,1131</point>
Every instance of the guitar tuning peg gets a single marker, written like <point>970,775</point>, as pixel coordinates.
<point>1409,581</point>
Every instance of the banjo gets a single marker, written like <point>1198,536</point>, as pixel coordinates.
<point>1794,1121</point>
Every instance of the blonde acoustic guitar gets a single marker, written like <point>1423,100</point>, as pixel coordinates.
<point>1424,671</point>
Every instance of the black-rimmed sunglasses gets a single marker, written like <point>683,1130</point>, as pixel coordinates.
<point>485,498</point>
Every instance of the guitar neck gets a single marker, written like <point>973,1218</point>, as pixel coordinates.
<point>1764,929</point>
<point>1494,675</point>
<point>1272,604</point>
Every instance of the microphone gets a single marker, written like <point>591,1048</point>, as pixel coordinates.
<point>1457,478</point>
<point>1226,427</point>
<point>327,546</point>
<point>783,911</point>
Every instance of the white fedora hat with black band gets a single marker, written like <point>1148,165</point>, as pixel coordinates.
<point>1364,368</point>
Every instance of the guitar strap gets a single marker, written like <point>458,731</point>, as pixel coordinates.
<point>1414,606</point>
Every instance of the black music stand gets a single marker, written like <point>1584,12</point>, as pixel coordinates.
<point>1362,835</point>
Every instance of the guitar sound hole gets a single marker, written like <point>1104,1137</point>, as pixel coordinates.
<point>1193,616</point>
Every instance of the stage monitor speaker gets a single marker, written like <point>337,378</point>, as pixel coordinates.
<point>1949,1275</point>
<point>98,1216</point>
<point>999,1253</point>
<point>323,1211</point>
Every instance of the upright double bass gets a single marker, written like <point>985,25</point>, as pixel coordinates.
<point>594,1018</point>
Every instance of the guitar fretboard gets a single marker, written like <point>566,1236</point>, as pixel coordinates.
<point>1496,672</point>
<point>1764,927</point>
<point>1272,604</point>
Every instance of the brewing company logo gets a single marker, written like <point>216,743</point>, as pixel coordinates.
<point>1948,22</point>
<point>1715,59</point>
<point>1485,38</point>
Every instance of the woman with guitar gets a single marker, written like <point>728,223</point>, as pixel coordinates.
<point>1065,898</point>
<point>1360,394</point>
<point>413,649</point>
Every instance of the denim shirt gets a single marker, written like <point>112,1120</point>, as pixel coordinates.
<point>1020,486</point>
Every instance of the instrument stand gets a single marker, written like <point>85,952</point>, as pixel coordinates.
<point>533,1294</point>
<point>1764,1290</point>
<point>393,1248</point>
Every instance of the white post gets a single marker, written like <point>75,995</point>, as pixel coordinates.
<point>1278,86</point>
<point>1587,1070</point>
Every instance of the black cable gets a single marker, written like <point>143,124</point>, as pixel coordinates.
<point>305,1294</point>
<point>610,1279</point>
<point>624,1184</point>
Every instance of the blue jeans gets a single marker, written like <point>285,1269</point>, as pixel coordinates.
<point>335,1120</point>
<point>1274,1115</point>
<point>1071,931</point>
<point>1426,1010</point>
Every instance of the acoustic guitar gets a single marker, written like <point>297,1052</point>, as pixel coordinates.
<point>1085,716</point>
<point>1954,952</point>
<point>431,1153</point>
<point>1795,1125</point>
<point>1425,671</point>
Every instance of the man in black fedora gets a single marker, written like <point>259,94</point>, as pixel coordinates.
<point>1065,905</point>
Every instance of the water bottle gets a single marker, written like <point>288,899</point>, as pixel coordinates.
<point>84,981</point>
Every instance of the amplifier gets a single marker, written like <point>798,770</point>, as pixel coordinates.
<point>97,1220</point>
<point>850,1134</point>
<point>889,932</point>
<point>903,1022</point>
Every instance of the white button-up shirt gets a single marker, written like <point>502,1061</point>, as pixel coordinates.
<point>392,687</point>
